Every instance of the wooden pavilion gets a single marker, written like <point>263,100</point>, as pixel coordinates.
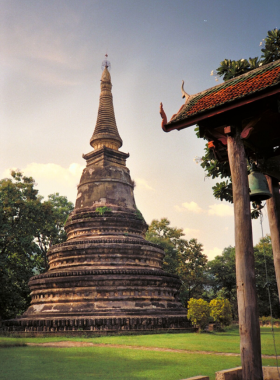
<point>241,120</point>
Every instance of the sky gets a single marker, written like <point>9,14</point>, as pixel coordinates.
<point>50,62</point>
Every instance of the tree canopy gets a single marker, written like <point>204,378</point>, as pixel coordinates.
<point>270,52</point>
<point>28,227</point>
<point>229,69</point>
<point>182,257</point>
<point>216,278</point>
<point>223,277</point>
<point>52,230</point>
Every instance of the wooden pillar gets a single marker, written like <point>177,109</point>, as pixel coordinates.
<point>250,343</point>
<point>273,211</point>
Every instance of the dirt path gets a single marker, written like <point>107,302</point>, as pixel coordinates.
<point>66,344</point>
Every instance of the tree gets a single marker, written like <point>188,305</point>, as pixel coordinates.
<point>215,169</point>
<point>52,230</point>
<point>229,69</point>
<point>191,270</point>
<point>169,239</point>
<point>20,208</point>
<point>223,277</point>
<point>182,257</point>
<point>221,190</point>
<point>24,218</point>
<point>271,50</point>
<point>220,311</point>
<point>198,312</point>
<point>266,278</point>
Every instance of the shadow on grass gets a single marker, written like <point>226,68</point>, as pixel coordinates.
<point>37,363</point>
<point>15,343</point>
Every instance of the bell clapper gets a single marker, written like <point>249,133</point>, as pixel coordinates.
<point>258,205</point>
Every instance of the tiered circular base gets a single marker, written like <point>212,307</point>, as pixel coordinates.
<point>105,284</point>
<point>105,277</point>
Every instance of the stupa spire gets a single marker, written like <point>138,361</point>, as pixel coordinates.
<point>106,131</point>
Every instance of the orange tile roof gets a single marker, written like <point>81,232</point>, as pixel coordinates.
<point>232,90</point>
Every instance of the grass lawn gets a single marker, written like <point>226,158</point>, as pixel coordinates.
<point>37,363</point>
<point>82,363</point>
<point>227,341</point>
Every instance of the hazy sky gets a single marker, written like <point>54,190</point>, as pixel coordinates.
<point>51,55</point>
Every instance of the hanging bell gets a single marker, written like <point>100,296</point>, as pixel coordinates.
<point>258,187</point>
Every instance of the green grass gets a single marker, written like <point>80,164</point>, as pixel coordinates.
<point>82,363</point>
<point>37,363</point>
<point>227,341</point>
<point>12,342</point>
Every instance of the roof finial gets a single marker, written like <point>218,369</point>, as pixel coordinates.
<point>184,94</point>
<point>106,64</point>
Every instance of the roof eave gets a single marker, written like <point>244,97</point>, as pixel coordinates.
<point>188,122</point>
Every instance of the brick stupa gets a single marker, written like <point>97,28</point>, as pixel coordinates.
<point>106,276</point>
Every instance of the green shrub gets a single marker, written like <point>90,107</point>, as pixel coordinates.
<point>198,312</point>
<point>220,311</point>
<point>267,320</point>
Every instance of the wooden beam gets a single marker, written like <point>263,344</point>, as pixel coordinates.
<point>273,211</point>
<point>249,328</point>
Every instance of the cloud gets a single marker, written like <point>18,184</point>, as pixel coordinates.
<point>55,172</point>
<point>143,184</point>
<point>193,207</point>
<point>51,178</point>
<point>216,209</point>
<point>212,253</point>
<point>220,210</point>
<point>191,233</point>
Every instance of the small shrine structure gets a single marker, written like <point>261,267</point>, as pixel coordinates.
<point>241,119</point>
<point>106,276</point>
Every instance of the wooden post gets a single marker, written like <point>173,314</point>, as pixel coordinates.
<point>250,342</point>
<point>273,211</point>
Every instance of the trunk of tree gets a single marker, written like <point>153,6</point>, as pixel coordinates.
<point>273,211</point>
<point>250,343</point>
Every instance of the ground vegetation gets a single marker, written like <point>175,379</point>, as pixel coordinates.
<point>128,357</point>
